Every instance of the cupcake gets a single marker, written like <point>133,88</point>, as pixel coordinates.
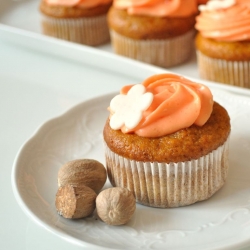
<point>156,32</point>
<point>80,21</point>
<point>167,141</point>
<point>223,42</point>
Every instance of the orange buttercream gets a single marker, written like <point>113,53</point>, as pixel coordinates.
<point>162,8</point>
<point>81,3</point>
<point>177,103</point>
<point>202,1</point>
<point>226,24</point>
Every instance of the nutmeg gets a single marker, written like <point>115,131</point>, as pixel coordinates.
<point>75,202</point>
<point>115,206</point>
<point>86,172</point>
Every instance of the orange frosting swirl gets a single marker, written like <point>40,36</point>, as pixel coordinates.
<point>202,1</point>
<point>161,8</point>
<point>226,24</point>
<point>82,3</point>
<point>177,103</point>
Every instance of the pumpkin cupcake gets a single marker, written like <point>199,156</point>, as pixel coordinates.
<point>223,42</point>
<point>156,32</point>
<point>166,140</point>
<point>80,21</point>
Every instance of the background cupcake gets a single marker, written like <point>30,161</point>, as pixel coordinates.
<point>81,21</point>
<point>156,32</point>
<point>167,141</point>
<point>223,42</point>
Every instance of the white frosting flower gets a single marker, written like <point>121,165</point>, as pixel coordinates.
<point>216,5</point>
<point>127,109</point>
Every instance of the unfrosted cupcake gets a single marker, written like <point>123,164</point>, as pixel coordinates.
<point>80,21</point>
<point>167,141</point>
<point>223,42</point>
<point>156,32</point>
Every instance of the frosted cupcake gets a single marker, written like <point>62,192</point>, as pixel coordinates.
<point>156,32</point>
<point>80,21</point>
<point>223,42</point>
<point>166,140</point>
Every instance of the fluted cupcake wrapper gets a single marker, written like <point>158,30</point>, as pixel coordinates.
<point>91,31</point>
<point>170,184</point>
<point>235,73</point>
<point>162,52</point>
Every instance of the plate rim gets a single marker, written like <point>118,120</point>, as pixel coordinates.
<point>31,214</point>
<point>14,175</point>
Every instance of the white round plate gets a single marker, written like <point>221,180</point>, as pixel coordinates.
<point>222,222</point>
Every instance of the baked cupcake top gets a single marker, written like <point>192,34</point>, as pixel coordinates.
<point>225,20</point>
<point>160,8</point>
<point>161,105</point>
<point>145,27</point>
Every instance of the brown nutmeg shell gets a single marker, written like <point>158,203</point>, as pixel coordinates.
<point>75,202</point>
<point>115,206</point>
<point>86,172</point>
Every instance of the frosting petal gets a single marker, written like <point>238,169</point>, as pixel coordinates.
<point>127,109</point>
<point>217,4</point>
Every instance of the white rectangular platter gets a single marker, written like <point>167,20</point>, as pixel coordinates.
<point>25,15</point>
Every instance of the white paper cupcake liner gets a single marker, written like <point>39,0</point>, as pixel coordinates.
<point>170,185</point>
<point>163,52</point>
<point>91,31</point>
<point>235,73</point>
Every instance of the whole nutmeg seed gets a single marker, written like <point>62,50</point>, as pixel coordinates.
<point>115,206</point>
<point>75,202</point>
<point>86,172</point>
